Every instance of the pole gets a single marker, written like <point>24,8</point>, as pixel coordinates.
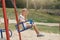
<point>5,19</point>
<point>27,4</point>
<point>16,14</point>
<point>34,1</point>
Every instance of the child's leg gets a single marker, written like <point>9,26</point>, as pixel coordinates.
<point>34,26</point>
<point>36,29</point>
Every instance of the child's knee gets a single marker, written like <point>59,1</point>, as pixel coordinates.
<point>34,24</point>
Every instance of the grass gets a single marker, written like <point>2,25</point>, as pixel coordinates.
<point>11,26</point>
<point>43,17</point>
<point>37,16</point>
<point>49,29</point>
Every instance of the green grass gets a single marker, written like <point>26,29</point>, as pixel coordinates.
<point>11,26</point>
<point>49,29</point>
<point>43,17</point>
<point>37,16</point>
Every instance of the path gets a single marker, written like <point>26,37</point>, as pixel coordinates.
<point>48,24</point>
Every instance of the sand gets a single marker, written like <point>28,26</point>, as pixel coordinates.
<point>31,35</point>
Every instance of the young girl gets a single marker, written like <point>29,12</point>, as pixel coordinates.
<point>23,18</point>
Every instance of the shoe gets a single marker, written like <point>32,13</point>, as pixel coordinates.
<point>40,35</point>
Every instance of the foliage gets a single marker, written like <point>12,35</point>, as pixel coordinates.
<point>45,4</point>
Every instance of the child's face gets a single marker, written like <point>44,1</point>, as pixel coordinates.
<point>25,13</point>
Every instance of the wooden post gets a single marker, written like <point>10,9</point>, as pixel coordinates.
<point>27,4</point>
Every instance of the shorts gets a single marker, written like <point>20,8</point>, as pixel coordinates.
<point>25,24</point>
<point>30,22</point>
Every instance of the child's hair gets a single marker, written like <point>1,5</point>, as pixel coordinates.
<point>24,9</point>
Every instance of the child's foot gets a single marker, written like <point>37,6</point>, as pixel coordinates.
<point>40,35</point>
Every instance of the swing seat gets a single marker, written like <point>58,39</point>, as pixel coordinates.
<point>3,30</point>
<point>24,28</point>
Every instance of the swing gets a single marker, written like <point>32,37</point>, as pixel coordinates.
<point>24,28</point>
<point>17,25</point>
<point>3,30</point>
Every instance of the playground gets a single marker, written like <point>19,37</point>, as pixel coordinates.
<point>39,25</point>
<point>30,35</point>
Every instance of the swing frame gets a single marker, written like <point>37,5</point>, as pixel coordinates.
<point>5,18</point>
<point>3,30</point>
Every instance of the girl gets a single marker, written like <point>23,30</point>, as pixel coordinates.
<point>23,18</point>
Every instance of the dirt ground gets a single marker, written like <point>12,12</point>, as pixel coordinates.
<point>31,35</point>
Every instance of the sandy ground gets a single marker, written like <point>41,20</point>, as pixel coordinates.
<point>31,35</point>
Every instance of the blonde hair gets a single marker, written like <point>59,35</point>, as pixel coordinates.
<point>24,9</point>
